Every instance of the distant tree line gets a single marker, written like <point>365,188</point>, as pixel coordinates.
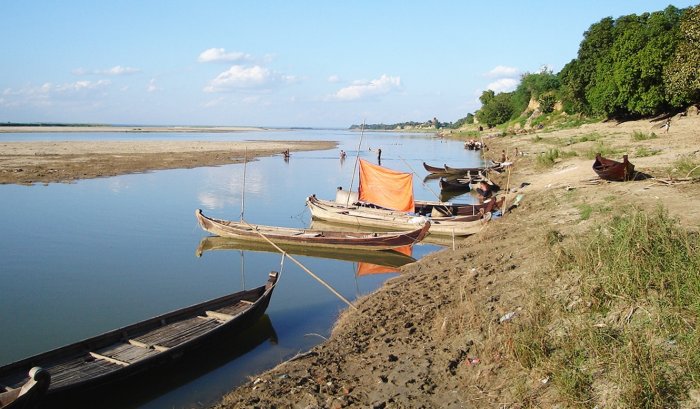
<point>629,67</point>
<point>433,123</point>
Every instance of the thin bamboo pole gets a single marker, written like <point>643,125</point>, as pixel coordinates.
<point>319,279</point>
<point>357,160</point>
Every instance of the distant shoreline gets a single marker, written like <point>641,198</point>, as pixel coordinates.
<point>139,129</point>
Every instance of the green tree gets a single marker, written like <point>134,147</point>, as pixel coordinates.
<point>496,110</point>
<point>682,74</point>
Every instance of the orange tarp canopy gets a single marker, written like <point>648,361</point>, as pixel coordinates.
<point>385,187</point>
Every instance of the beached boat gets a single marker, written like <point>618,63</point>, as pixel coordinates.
<point>609,169</point>
<point>446,208</point>
<point>457,185</point>
<point>491,166</point>
<point>28,394</point>
<point>132,350</point>
<point>388,258</point>
<point>457,172</point>
<point>368,215</point>
<point>308,237</point>
<point>385,200</point>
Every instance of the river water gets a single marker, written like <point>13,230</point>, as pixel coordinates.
<point>83,258</point>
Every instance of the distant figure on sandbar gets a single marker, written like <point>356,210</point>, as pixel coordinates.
<point>667,125</point>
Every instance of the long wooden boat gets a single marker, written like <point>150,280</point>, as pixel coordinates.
<point>125,352</point>
<point>492,166</point>
<point>450,171</point>
<point>376,217</point>
<point>457,185</point>
<point>446,208</point>
<point>609,169</point>
<point>28,394</point>
<point>388,258</point>
<point>319,238</point>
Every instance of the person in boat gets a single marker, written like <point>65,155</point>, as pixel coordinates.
<point>286,153</point>
<point>484,191</point>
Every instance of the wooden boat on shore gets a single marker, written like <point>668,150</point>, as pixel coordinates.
<point>435,208</point>
<point>28,394</point>
<point>450,171</point>
<point>457,185</point>
<point>369,215</point>
<point>308,237</point>
<point>388,258</point>
<point>612,170</point>
<point>125,352</point>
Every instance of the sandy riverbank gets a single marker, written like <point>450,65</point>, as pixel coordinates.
<point>433,337</point>
<point>65,161</point>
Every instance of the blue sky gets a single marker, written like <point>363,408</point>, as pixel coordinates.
<point>279,63</point>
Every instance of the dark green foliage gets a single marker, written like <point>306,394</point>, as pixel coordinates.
<point>620,67</point>
<point>682,74</point>
<point>496,110</point>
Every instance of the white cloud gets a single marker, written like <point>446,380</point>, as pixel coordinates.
<point>119,70</point>
<point>116,70</point>
<point>501,71</point>
<point>503,85</point>
<point>46,93</point>
<point>241,77</point>
<point>334,79</point>
<point>152,87</point>
<point>220,54</point>
<point>363,89</point>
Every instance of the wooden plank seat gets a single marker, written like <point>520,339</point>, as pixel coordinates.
<point>172,335</point>
<point>236,309</point>
<point>79,369</point>
<point>126,353</point>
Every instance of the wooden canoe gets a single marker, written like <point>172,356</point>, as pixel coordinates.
<point>493,166</point>
<point>457,185</point>
<point>28,394</point>
<point>319,238</point>
<point>609,169</point>
<point>132,350</point>
<point>435,208</point>
<point>434,169</point>
<point>375,217</point>
<point>388,258</point>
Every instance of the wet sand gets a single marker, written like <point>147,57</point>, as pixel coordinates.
<point>65,161</point>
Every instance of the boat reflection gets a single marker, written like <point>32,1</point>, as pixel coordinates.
<point>385,258</point>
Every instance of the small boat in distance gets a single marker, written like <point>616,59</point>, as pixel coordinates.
<point>320,238</point>
<point>29,394</point>
<point>117,355</point>
<point>612,170</point>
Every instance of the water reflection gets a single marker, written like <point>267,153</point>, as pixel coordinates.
<point>386,258</point>
<point>128,270</point>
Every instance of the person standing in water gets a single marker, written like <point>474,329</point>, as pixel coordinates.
<point>379,156</point>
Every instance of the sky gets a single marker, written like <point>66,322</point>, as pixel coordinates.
<point>280,63</point>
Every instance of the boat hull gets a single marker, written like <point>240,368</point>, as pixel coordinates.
<point>388,219</point>
<point>308,237</point>
<point>126,352</point>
